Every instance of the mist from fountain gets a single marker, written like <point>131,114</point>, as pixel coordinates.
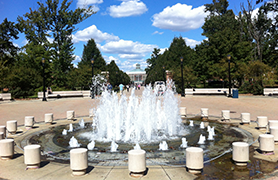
<point>137,120</point>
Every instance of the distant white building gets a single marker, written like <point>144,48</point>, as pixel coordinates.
<point>137,75</point>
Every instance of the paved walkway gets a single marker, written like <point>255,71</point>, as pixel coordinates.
<point>17,110</point>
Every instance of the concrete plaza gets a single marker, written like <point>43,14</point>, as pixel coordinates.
<point>17,110</point>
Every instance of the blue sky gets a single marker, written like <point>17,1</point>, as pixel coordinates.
<point>127,31</point>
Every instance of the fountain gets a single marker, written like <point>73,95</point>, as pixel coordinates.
<point>65,132</point>
<point>70,128</point>
<point>73,142</point>
<point>202,139</point>
<point>191,123</point>
<point>202,126</point>
<point>163,146</point>
<point>184,143</point>
<point>91,145</point>
<point>81,124</point>
<point>137,146</point>
<point>114,146</point>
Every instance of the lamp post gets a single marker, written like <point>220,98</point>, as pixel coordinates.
<point>182,85</point>
<point>92,88</point>
<point>229,69</point>
<point>44,98</point>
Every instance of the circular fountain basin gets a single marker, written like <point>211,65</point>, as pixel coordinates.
<point>57,145</point>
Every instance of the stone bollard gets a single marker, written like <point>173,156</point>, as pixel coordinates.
<point>225,115</point>
<point>6,148</point>
<point>137,162</point>
<point>262,122</point>
<point>2,135</point>
<point>29,122</point>
<point>3,130</point>
<point>194,160</point>
<point>240,153</point>
<point>48,118</point>
<point>266,143</point>
<point>12,126</point>
<point>272,123</point>
<point>204,113</point>
<point>78,161</point>
<point>245,118</point>
<point>183,111</point>
<point>274,132</point>
<point>32,156</point>
<point>70,115</point>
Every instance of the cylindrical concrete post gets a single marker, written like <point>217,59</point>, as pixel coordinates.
<point>48,118</point>
<point>32,156</point>
<point>12,126</point>
<point>204,113</point>
<point>137,162</point>
<point>225,115</point>
<point>6,148</point>
<point>262,121</point>
<point>78,161</point>
<point>29,122</point>
<point>266,143</point>
<point>3,130</point>
<point>240,153</point>
<point>274,132</point>
<point>245,118</point>
<point>2,135</point>
<point>194,159</point>
<point>273,123</point>
<point>70,115</point>
<point>183,111</point>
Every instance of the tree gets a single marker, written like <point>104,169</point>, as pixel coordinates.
<point>51,26</point>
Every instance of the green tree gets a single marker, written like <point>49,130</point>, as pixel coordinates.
<point>51,26</point>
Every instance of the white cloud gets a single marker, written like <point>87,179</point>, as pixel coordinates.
<point>191,42</point>
<point>180,17</point>
<point>157,32</point>
<point>128,8</point>
<point>76,60</point>
<point>93,33</point>
<point>86,3</point>
<point>127,47</point>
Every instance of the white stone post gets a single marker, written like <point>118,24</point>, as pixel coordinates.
<point>245,118</point>
<point>262,122</point>
<point>48,118</point>
<point>266,143</point>
<point>273,123</point>
<point>204,113</point>
<point>194,159</point>
<point>274,132</point>
<point>6,148</point>
<point>183,111</point>
<point>225,115</point>
<point>240,153</point>
<point>78,161</point>
<point>32,156</point>
<point>12,126</point>
<point>137,162</point>
<point>29,122</point>
<point>70,115</point>
<point>3,130</point>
